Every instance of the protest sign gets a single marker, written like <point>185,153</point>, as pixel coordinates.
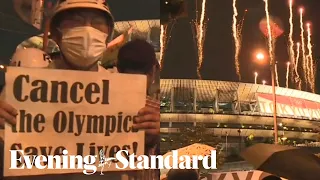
<point>82,112</point>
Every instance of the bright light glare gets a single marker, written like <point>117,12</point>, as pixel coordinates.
<point>264,82</point>
<point>301,10</point>
<point>260,56</point>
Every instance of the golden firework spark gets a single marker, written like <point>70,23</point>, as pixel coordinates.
<point>308,45</point>
<point>304,60</point>
<point>287,75</point>
<point>296,64</point>
<point>270,37</point>
<point>291,44</point>
<point>271,41</point>
<point>236,39</point>
<point>310,64</point>
<point>255,77</point>
<point>201,36</point>
<point>300,85</point>
<point>276,73</point>
<point>240,25</point>
<point>163,38</point>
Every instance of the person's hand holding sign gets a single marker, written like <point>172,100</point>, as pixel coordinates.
<point>25,57</point>
<point>7,113</point>
<point>149,120</point>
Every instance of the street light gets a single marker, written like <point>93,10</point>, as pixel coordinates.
<point>260,56</point>
<point>264,82</point>
<point>301,10</point>
<point>255,77</point>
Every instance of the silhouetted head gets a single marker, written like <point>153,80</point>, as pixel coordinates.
<point>271,177</point>
<point>182,174</point>
<point>138,57</point>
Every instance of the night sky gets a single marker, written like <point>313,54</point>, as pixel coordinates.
<point>181,56</point>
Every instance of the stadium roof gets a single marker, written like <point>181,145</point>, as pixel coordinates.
<point>206,90</point>
<point>37,42</point>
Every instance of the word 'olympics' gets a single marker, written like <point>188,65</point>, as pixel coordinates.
<point>61,91</point>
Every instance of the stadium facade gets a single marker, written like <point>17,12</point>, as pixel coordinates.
<point>235,111</point>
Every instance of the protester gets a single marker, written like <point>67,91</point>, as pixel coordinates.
<point>29,58</point>
<point>81,29</point>
<point>138,57</point>
<point>182,174</point>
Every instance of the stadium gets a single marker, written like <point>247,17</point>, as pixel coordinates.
<point>237,112</point>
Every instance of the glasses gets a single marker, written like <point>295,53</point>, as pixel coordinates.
<point>97,22</point>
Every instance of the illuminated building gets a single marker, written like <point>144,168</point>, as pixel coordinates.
<point>238,110</point>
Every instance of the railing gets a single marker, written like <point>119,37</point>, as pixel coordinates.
<point>235,113</point>
<point>312,144</point>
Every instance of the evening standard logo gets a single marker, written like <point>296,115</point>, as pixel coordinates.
<point>122,160</point>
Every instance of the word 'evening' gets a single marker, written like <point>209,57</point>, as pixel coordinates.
<point>60,91</point>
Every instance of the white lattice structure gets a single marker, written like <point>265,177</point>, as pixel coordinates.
<point>141,28</point>
<point>145,29</point>
<point>37,42</point>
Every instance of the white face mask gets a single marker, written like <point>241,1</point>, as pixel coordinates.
<point>83,46</point>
